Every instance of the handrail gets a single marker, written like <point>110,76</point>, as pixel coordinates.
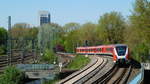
<point>142,76</point>
<point>138,78</point>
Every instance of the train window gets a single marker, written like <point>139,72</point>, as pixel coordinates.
<point>99,49</point>
<point>109,49</point>
<point>121,50</point>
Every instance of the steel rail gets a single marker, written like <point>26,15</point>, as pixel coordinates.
<point>77,73</point>
<point>102,73</point>
<point>121,79</point>
<point>85,76</point>
<point>15,60</point>
<point>93,73</point>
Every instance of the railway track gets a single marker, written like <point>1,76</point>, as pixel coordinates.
<point>106,72</point>
<point>124,76</point>
<point>102,73</point>
<point>116,76</point>
<point>15,59</point>
<point>87,73</point>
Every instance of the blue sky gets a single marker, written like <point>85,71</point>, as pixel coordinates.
<point>62,11</point>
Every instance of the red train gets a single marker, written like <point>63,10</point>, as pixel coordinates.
<point>120,52</point>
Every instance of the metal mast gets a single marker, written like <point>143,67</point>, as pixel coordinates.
<point>9,45</point>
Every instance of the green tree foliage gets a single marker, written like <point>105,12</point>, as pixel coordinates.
<point>48,35</point>
<point>138,33</point>
<point>3,40</point>
<point>79,36</point>
<point>33,33</point>
<point>87,34</point>
<point>22,32</point>
<point>49,56</point>
<point>3,35</point>
<point>69,41</point>
<point>71,26</point>
<point>11,76</point>
<point>2,49</point>
<point>110,28</point>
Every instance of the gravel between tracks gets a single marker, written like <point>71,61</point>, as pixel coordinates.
<point>106,68</point>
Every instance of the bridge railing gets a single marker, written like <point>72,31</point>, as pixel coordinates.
<point>34,67</point>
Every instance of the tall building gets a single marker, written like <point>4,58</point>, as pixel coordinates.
<point>44,17</point>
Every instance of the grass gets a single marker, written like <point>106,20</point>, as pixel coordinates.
<point>78,62</point>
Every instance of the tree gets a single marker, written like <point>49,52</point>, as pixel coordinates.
<point>79,36</point>
<point>47,36</point>
<point>21,25</point>
<point>49,56</point>
<point>110,28</point>
<point>20,30</point>
<point>87,34</point>
<point>23,35</point>
<point>71,26</point>
<point>11,76</point>
<point>3,35</point>
<point>70,41</point>
<point>3,40</point>
<point>138,33</point>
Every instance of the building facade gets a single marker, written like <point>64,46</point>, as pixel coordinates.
<point>44,17</point>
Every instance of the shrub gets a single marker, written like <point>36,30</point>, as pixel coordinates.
<point>2,50</point>
<point>11,76</point>
<point>49,56</point>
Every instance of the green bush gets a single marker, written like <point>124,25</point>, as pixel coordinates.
<point>11,76</point>
<point>49,56</point>
<point>2,50</point>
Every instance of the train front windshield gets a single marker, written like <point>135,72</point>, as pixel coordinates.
<point>121,50</point>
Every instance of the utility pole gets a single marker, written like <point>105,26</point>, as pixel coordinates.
<point>9,44</point>
<point>50,18</point>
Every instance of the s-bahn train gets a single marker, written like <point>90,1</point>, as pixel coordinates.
<point>119,52</point>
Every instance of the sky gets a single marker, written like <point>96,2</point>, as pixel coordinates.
<point>62,11</point>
